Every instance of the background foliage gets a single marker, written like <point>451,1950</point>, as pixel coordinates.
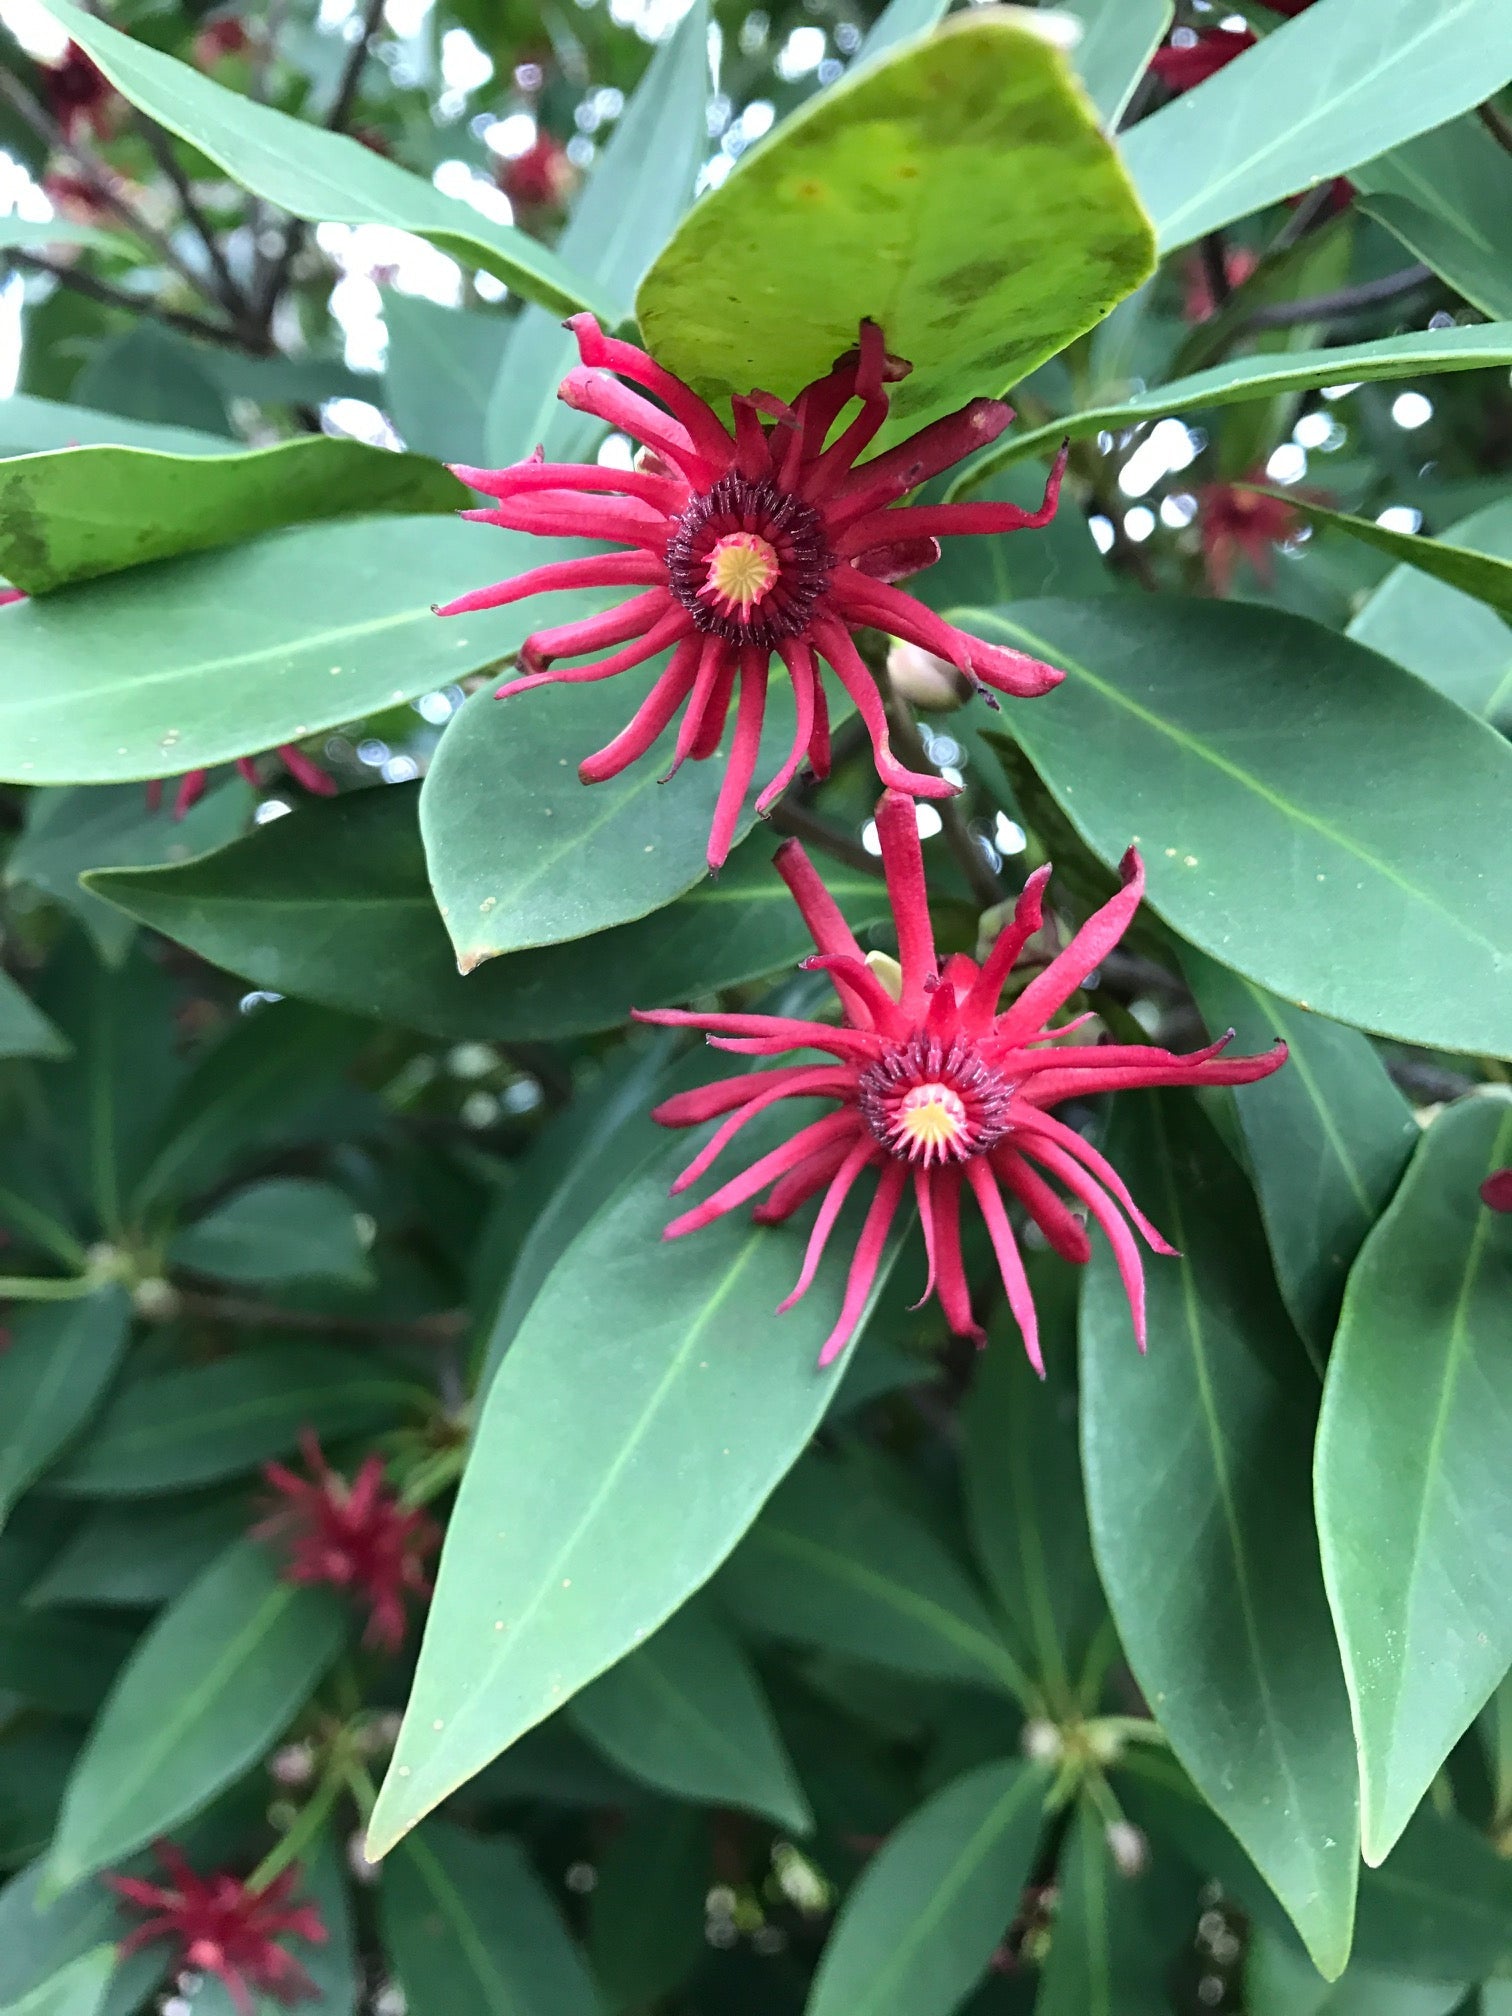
<point>916,1685</point>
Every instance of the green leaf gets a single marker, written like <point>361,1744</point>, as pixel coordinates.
<point>646,1924</point>
<point>37,1940</point>
<point>332,903</point>
<point>1113,1940</point>
<point>900,21</point>
<point>69,832</point>
<point>79,1990</point>
<point>1450,639</point>
<point>1197,1463</point>
<point>922,1924</point>
<point>1338,85</point>
<point>135,1557</point>
<point>1021,1472</point>
<point>206,1693</point>
<point>322,176</point>
<point>63,1665</point>
<point>471,1931</point>
<point>1279,1981</point>
<point>686,1714</point>
<point>24,1030</point>
<point>83,512</point>
<point>1448,197</point>
<point>53,1374</point>
<point>1268,840</point>
<point>440,364</point>
<point>285,1228</point>
<point>169,1431</point>
<point>193,661</point>
<point>1327,1138</point>
<point>1413,1503</point>
<point>833,1562</point>
<point>1118,39</point>
<point>957,190</point>
<point>148,372</point>
<point>644,1413</point>
<point>641,184</point>
<point>1440,1907</point>
<point>1485,346</point>
<point>1485,576</point>
<point>521,854</point>
<point>31,426</point>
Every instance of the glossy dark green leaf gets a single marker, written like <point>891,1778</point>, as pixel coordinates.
<point>1115,1936</point>
<point>1118,39</point>
<point>169,1431</point>
<point>646,1928</point>
<point>1242,750</point>
<point>35,1760</point>
<point>1485,346</point>
<point>24,1030</point>
<point>1197,1463</point>
<point>53,1374</point>
<point>79,1989</point>
<point>1414,1510</point>
<point>1021,1472</point>
<point>957,190</point>
<point>69,832</point>
<point>83,512</point>
<point>471,1931</point>
<point>136,1556</point>
<point>1453,640</point>
<point>316,174</point>
<point>63,1665</point>
<point>1448,197</point>
<point>1327,1139</point>
<point>332,903</point>
<point>521,853</point>
<point>645,1411</point>
<point>440,364</point>
<point>206,1693</point>
<point>922,1924</point>
<point>641,184</point>
<point>1326,91</point>
<point>285,1228</point>
<point>190,662</point>
<point>685,1713</point>
<point>834,1563</point>
<point>147,372</point>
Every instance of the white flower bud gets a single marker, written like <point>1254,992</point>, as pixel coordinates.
<point>1128,1847</point>
<point>1043,1742</point>
<point>923,680</point>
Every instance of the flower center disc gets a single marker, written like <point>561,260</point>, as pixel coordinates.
<point>748,561</point>
<point>930,1102</point>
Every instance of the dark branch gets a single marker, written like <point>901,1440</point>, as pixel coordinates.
<point>79,282</point>
<point>231,296</point>
<point>1344,301</point>
<point>444,1327</point>
<point>1496,123</point>
<point>791,816</point>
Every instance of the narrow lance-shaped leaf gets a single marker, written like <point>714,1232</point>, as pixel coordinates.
<point>1448,197</point>
<point>1116,1933</point>
<point>1268,841</point>
<point>1197,1462</point>
<point>871,201</point>
<point>685,1712</point>
<point>1328,1138</point>
<point>208,1690</point>
<point>24,1030</point>
<point>286,1228</point>
<point>78,1990</point>
<point>1483,346</point>
<point>1486,576</point>
<point>312,173</point>
<point>1454,641</point>
<point>1117,41</point>
<point>53,1374</point>
<point>640,1419</point>
<point>1414,1509</point>
<point>921,1926</point>
<point>1340,84</point>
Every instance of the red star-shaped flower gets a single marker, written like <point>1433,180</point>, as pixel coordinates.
<point>1194,55</point>
<point>936,1089</point>
<point>770,538</point>
<point>9,595</point>
<point>222,1926</point>
<point>1496,1191</point>
<point>353,1536</point>
<point>79,94</point>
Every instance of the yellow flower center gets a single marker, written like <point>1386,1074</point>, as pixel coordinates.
<point>931,1116</point>
<point>742,568</point>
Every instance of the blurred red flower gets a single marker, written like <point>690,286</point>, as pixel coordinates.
<point>222,1926</point>
<point>1496,1191</point>
<point>1237,521</point>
